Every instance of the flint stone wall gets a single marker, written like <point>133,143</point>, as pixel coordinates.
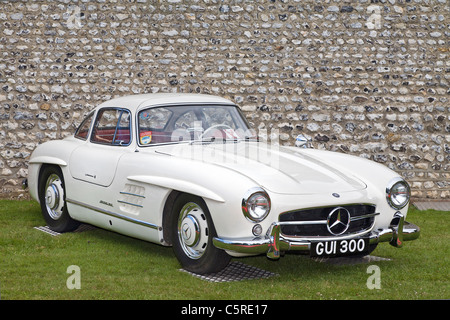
<point>369,78</point>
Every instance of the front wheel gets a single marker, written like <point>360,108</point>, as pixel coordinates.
<point>193,232</point>
<point>53,201</point>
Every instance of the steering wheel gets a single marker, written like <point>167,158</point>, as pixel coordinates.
<point>207,131</point>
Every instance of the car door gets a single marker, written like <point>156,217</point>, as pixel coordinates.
<point>96,160</point>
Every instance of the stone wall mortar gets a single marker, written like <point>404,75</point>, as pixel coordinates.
<point>369,78</point>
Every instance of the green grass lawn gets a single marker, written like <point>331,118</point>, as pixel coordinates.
<point>33,265</point>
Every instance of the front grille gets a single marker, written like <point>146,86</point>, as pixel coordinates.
<point>313,222</point>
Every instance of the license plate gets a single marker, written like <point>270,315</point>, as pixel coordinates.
<point>339,248</point>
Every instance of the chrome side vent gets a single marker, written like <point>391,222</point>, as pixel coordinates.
<point>131,199</point>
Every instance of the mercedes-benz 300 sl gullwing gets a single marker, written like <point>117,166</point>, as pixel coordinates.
<point>187,171</point>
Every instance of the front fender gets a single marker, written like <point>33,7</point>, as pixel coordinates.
<point>48,160</point>
<point>56,153</point>
<point>179,185</point>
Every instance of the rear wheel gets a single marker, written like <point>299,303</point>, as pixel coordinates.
<point>52,198</point>
<point>193,232</point>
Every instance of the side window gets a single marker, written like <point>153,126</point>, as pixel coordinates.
<point>112,126</point>
<point>83,130</point>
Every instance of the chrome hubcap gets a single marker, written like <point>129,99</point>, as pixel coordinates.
<point>193,230</point>
<point>190,231</point>
<point>54,197</point>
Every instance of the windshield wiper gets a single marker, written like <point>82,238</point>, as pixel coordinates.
<point>203,141</point>
<point>220,140</point>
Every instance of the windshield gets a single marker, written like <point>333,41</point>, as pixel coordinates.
<point>175,124</point>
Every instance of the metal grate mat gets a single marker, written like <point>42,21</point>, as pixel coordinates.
<point>81,228</point>
<point>235,271</point>
<point>47,230</point>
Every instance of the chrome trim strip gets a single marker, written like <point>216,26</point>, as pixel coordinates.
<point>115,215</point>
<point>330,206</point>
<point>369,215</point>
<point>291,223</point>
<point>131,204</point>
<point>132,194</point>
<point>326,238</point>
<point>286,223</point>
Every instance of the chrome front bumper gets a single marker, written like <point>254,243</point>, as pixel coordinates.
<point>274,242</point>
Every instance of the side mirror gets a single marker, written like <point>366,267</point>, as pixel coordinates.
<point>302,142</point>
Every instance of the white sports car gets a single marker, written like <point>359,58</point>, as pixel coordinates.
<point>185,170</point>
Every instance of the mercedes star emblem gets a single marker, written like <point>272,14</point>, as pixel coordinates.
<point>338,221</point>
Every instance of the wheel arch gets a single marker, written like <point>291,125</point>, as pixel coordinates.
<point>41,170</point>
<point>48,160</point>
<point>35,168</point>
<point>167,211</point>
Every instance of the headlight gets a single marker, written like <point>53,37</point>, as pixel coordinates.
<point>256,204</point>
<point>398,193</point>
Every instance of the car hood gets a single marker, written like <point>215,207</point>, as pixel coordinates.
<point>275,168</point>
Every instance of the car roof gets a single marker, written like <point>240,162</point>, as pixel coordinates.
<point>134,102</point>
